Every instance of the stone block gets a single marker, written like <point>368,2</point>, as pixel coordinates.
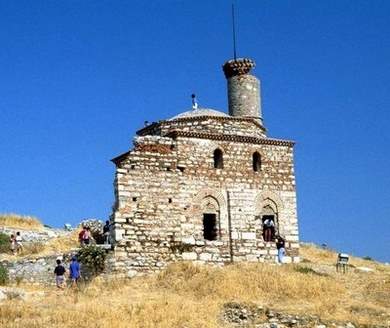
<point>188,240</point>
<point>118,233</point>
<point>205,257</point>
<point>296,259</point>
<point>189,256</point>
<point>252,258</point>
<point>235,235</point>
<point>248,235</point>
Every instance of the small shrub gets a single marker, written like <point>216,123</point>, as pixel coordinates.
<point>93,257</point>
<point>305,261</point>
<point>4,243</point>
<point>368,258</point>
<point>18,280</point>
<point>3,275</point>
<point>307,270</point>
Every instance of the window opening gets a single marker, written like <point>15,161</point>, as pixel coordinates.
<point>134,199</point>
<point>256,162</point>
<point>210,226</point>
<point>181,168</point>
<point>218,159</point>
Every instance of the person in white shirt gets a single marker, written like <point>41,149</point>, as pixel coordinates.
<point>268,227</point>
<point>18,241</point>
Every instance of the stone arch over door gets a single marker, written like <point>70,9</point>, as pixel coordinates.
<point>268,203</point>
<point>209,202</point>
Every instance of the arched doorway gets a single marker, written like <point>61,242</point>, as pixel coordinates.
<point>268,207</point>
<point>269,222</point>
<point>210,210</point>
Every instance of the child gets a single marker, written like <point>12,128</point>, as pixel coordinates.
<point>12,241</point>
<point>74,271</point>
<point>59,272</point>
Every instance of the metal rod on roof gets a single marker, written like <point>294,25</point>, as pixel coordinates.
<point>234,33</point>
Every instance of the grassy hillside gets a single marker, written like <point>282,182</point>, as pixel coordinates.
<point>20,221</point>
<point>192,296</point>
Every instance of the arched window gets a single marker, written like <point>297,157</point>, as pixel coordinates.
<point>256,162</point>
<point>218,159</point>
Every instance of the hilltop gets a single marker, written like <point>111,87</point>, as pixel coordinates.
<point>309,294</point>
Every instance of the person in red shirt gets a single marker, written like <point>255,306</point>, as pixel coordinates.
<point>81,235</point>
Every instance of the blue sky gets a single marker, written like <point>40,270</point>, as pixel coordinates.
<point>78,78</point>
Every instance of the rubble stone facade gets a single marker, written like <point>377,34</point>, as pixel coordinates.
<point>198,186</point>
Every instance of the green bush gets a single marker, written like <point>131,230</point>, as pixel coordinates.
<point>93,257</point>
<point>307,270</point>
<point>4,243</point>
<point>368,258</point>
<point>3,275</point>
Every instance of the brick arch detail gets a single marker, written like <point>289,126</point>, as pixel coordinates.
<point>267,197</point>
<point>204,193</point>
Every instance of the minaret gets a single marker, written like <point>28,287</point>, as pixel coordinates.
<point>243,89</point>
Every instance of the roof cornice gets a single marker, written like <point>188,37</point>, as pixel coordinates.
<point>230,137</point>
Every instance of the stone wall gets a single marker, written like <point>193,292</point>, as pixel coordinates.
<point>40,270</point>
<point>166,184</point>
<point>235,126</point>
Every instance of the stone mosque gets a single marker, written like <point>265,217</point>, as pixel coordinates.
<point>198,186</point>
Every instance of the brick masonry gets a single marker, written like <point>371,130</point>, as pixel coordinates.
<point>167,183</point>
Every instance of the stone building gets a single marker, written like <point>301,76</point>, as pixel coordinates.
<point>198,186</point>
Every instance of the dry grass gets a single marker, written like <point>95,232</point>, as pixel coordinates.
<point>315,254</point>
<point>61,244</point>
<point>57,245</point>
<point>192,296</point>
<point>20,221</point>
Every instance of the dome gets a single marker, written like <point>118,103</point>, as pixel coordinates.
<point>199,112</point>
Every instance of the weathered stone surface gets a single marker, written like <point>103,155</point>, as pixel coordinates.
<point>208,168</point>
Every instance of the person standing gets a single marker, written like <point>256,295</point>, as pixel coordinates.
<point>18,241</point>
<point>74,271</point>
<point>59,272</point>
<point>106,232</point>
<point>268,227</point>
<point>12,242</point>
<point>81,236</point>
<point>280,245</point>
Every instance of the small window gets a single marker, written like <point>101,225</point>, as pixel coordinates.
<point>256,162</point>
<point>218,159</point>
<point>134,199</point>
<point>210,226</point>
<point>181,168</point>
<point>132,167</point>
<point>169,200</point>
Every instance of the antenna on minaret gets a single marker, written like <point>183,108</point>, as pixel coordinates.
<point>234,33</point>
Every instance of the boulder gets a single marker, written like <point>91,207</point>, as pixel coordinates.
<point>14,293</point>
<point>3,296</point>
